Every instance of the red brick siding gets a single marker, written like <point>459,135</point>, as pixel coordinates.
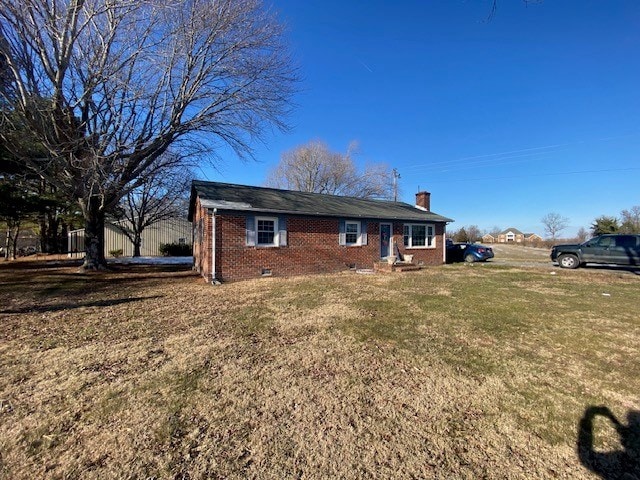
<point>312,247</point>
<point>421,256</point>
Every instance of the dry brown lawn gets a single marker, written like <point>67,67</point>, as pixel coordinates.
<point>520,254</point>
<point>451,372</point>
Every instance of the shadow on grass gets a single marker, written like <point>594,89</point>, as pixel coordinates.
<point>38,264</point>
<point>43,281</point>
<point>614,268</point>
<point>634,269</point>
<point>612,465</point>
<point>71,305</point>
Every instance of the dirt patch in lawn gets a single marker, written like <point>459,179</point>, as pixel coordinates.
<point>450,372</point>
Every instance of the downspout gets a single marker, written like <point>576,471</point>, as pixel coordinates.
<point>444,244</point>
<point>214,280</point>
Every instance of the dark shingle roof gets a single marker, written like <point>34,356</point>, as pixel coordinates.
<point>513,230</point>
<point>225,196</point>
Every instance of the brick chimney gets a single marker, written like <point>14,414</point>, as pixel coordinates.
<point>423,199</point>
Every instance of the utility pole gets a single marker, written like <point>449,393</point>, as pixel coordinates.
<point>396,176</point>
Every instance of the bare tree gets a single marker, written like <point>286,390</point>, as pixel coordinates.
<point>5,77</point>
<point>468,234</point>
<point>494,231</point>
<point>494,7</point>
<point>630,220</point>
<point>109,86</point>
<point>582,235</point>
<point>473,233</point>
<point>314,168</point>
<point>554,223</point>
<point>159,196</point>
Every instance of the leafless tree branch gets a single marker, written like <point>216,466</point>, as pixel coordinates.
<point>314,168</point>
<point>161,195</point>
<point>109,86</point>
<point>554,223</point>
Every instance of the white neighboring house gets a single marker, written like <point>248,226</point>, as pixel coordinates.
<point>171,230</point>
<point>512,235</point>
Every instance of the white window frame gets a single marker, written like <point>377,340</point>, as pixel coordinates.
<point>276,236</point>
<point>358,233</point>
<point>428,238</point>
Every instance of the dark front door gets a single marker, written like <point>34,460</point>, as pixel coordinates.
<point>385,240</point>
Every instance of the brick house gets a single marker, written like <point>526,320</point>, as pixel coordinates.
<point>488,238</point>
<point>242,232</point>
<point>512,235</point>
<point>532,238</point>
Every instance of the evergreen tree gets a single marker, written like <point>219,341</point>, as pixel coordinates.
<point>461,236</point>
<point>53,213</point>
<point>605,224</point>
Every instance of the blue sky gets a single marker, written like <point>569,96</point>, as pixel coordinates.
<point>503,121</point>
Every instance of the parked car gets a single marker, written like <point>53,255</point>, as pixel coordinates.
<point>468,252</point>
<point>26,251</point>
<point>603,249</point>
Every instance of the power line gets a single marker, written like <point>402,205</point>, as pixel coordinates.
<point>489,156</point>
<point>526,152</point>
<point>491,162</point>
<point>554,174</point>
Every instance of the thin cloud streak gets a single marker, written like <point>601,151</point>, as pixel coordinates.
<point>365,66</point>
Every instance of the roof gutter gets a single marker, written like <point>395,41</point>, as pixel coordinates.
<point>438,218</point>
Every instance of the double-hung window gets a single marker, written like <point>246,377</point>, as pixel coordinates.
<point>352,233</point>
<point>266,230</point>
<point>417,235</point>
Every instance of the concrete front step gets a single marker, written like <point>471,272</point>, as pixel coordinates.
<point>396,267</point>
<point>407,267</point>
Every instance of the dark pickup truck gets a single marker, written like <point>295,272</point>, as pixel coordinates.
<point>608,249</point>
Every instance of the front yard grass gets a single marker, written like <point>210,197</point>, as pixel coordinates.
<point>451,372</point>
